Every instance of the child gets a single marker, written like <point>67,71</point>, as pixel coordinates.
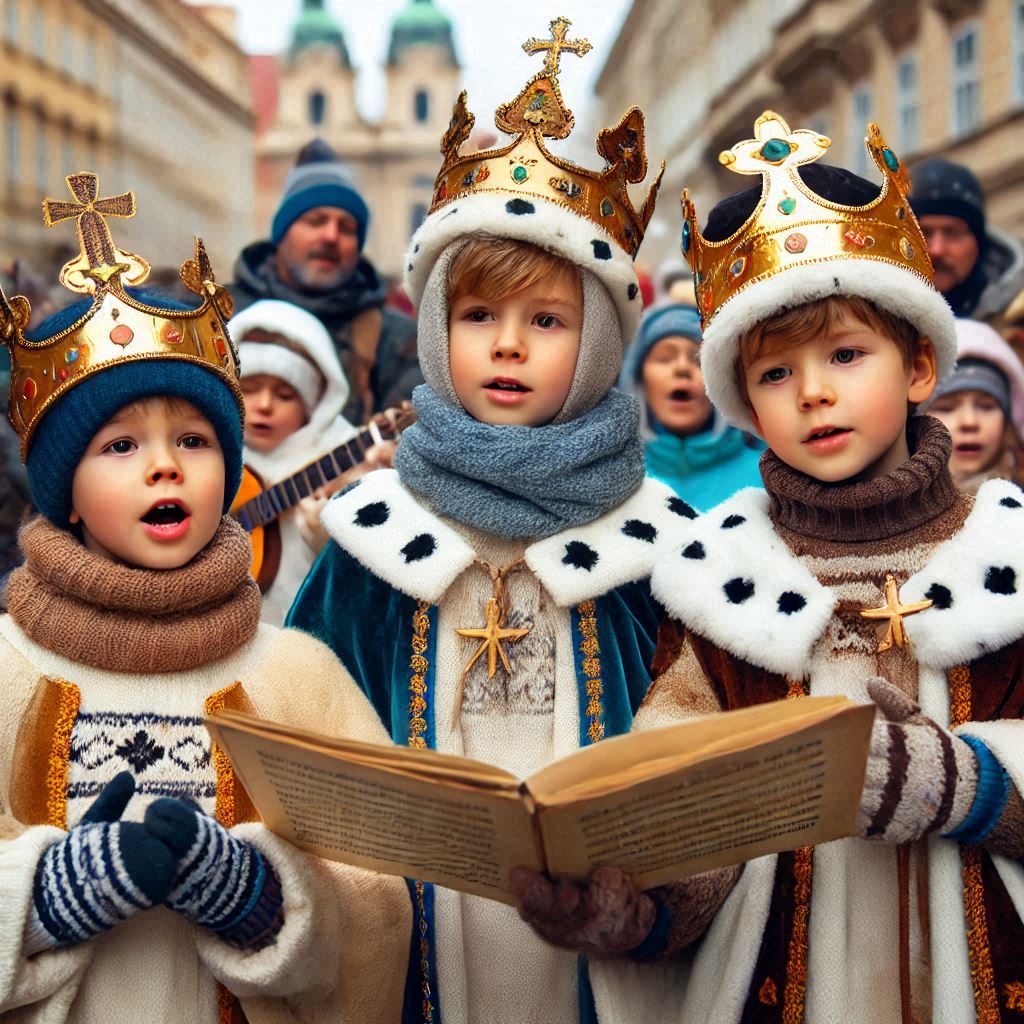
<point>294,390</point>
<point>687,445</point>
<point>518,505</point>
<point>822,331</point>
<point>135,882</point>
<point>982,406</point>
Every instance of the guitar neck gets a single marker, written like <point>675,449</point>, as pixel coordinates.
<point>287,493</point>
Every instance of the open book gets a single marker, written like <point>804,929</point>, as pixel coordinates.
<point>660,805</point>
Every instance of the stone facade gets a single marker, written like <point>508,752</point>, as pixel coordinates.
<point>152,96</point>
<point>941,77</point>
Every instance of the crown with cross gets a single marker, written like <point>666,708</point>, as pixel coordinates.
<point>792,226</point>
<point>120,324</point>
<point>525,169</point>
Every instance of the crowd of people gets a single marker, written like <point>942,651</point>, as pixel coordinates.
<point>659,514</point>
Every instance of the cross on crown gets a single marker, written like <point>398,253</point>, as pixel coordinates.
<point>556,44</point>
<point>99,259</point>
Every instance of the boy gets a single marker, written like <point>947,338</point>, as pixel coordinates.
<point>822,332</point>
<point>134,880</point>
<point>490,595</point>
<point>294,391</point>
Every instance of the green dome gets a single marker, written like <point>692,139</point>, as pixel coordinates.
<point>421,22</point>
<point>316,27</point>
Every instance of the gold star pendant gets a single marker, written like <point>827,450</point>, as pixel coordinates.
<point>491,636</point>
<point>892,610</point>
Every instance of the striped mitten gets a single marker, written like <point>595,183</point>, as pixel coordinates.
<point>920,777</point>
<point>101,873</point>
<point>222,883</point>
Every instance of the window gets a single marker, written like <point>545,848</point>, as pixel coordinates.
<point>317,107</point>
<point>67,153</point>
<point>966,84</point>
<point>421,105</point>
<point>89,68</point>
<point>12,134</point>
<point>820,123</point>
<point>39,33</point>
<point>42,157</point>
<point>11,20</point>
<point>1017,44</point>
<point>860,114</point>
<point>417,216</point>
<point>67,50</point>
<point>908,104</point>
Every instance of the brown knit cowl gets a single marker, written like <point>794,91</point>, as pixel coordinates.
<point>125,619</point>
<point>909,497</point>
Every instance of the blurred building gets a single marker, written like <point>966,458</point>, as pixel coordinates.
<point>309,91</point>
<point>941,77</point>
<point>154,96</point>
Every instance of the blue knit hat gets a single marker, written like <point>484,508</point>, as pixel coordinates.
<point>661,322</point>
<point>319,178</point>
<point>63,433</point>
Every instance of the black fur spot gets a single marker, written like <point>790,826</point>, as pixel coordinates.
<point>680,508</point>
<point>602,250</point>
<point>737,590</point>
<point>451,213</point>
<point>1010,503</point>
<point>731,521</point>
<point>1001,580</point>
<point>519,207</point>
<point>939,596</point>
<point>694,551</point>
<point>640,530</point>
<point>790,602</point>
<point>579,555</point>
<point>421,546</point>
<point>416,247</point>
<point>374,514</point>
<point>632,291</point>
<point>409,268</point>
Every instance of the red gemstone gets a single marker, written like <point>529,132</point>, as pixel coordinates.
<point>218,344</point>
<point>172,335</point>
<point>29,389</point>
<point>122,335</point>
<point>62,373</point>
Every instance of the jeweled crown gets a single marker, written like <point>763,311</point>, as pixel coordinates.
<point>117,327</point>
<point>526,168</point>
<point>792,226</point>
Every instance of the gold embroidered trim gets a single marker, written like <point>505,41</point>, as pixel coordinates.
<point>68,702</point>
<point>978,950</point>
<point>418,684</point>
<point>420,665</point>
<point>591,649</point>
<point>768,993</point>
<point>959,695</point>
<point>1013,992</point>
<point>224,807</point>
<point>796,966</point>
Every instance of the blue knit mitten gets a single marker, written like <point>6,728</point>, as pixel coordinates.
<point>223,883</point>
<point>101,873</point>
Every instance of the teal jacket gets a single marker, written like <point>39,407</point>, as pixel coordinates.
<point>373,595</point>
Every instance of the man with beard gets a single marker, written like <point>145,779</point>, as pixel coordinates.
<point>314,259</point>
<point>978,269</point>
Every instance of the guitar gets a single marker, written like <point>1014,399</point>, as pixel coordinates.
<point>257,507</point>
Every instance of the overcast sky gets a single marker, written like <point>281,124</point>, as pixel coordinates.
<point>488,37</point>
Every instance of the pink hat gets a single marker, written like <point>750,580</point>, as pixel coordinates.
<point>977,340</point>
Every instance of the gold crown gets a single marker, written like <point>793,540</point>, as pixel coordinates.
<point>792,226</point>
<point>117,327</point>
<point>527,168</point>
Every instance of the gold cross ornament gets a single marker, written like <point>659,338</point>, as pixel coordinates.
<point>892,610</point>
<point>556,44</point>
<point>491,637</point>
<point>99,259</point>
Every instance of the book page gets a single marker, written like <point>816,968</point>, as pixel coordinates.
<point>763,793</point>
<point>377,816</point>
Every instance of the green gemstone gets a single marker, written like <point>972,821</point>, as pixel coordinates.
<point>607,209</point>
<point>787,205</point>
<point>520,173</point>
<point>686,236</point>
<point>775,150</point>
<point>890,160</point>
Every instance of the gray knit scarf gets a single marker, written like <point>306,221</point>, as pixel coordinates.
<point>522,481</point>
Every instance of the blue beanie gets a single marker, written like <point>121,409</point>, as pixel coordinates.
<point>65,430</point>
<point>662,322</point>
<point>319,178</point>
